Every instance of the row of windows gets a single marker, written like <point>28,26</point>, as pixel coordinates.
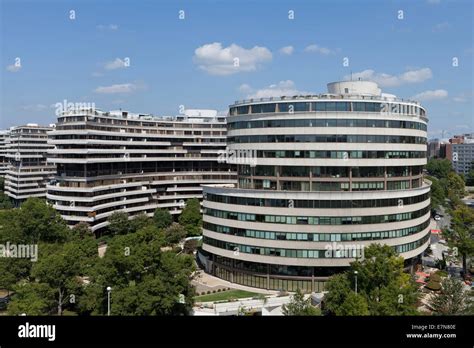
<point>326,123</point>
<point>267,184</point>
<point>316,220</point>
<point>291,107</point>
<point>316,204</point>
<point>316,237</point>
<point>340,154</point>
<point>334,138</point>
<point>331,251</point>
<point>270,283</point>
<point>334,172</point>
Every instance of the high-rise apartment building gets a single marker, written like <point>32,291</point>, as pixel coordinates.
<point>119,161</point>
<point>328,175</point>
<point>27,171</point>
<point>4,140</point>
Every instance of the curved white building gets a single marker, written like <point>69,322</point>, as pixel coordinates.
<point>118,161</point>
<point>334,173</point>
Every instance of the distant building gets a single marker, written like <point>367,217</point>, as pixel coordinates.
<point>4,139</point>
<point>460,151</point>
<point>27,171</point>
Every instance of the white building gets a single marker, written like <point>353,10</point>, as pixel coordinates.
<point>27,171</point>
<point>118,161</point>
<point>332,174</point>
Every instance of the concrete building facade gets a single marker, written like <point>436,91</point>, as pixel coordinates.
<point>332,174</point>
<point>135,163</point>
<point>27,172</point>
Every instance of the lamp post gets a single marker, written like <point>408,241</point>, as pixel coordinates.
<point>109,290</point>
<point>355,274</point>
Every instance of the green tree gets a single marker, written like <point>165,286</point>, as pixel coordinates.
<point>461,234</point>
<point>31,299</point>
<point>338,288</point>
<point>438,193</point>
<point>82,230</point>
<point>300,306</point>
<point>61,268</point>
<point>174,233</point>
<point>380,280</point>
<point>119,223</point>
<point>354,304</point>
<point>456,186</point>
<point>162,218</point>
<point>191,217</point>
<point>452,299</point>
<point>440,168</point>
<point>41,222</point>
<point>140,221</point>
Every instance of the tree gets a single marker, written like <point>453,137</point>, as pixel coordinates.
<point>31,299</point>
<point>299,306</point>
<point>41,222</point>
<point>456,186</point>
<point>162,218</point>
<point>139,221</point>
<point>380,281</point>
<point>438,194</point>
<point>461,234</point>
<point>338,288</point>
<point>452,299</point>
<point>60,268</point>
<point>119,223</point>
<point>440,168</point>
<point>354,304</point>
<point>174,233</point>
<point>82,230</point>
<point>191,217</point>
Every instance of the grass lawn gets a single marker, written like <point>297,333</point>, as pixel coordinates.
<point>225,295</point>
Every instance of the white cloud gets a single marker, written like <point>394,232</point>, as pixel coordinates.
<point>282,88</point>
<point>387,80</point>
<point>218,60</point>
<point>111,27</point>
<point>431,95</point>
<point>441,27</point>
<point>245,88</point>
<point>13,68</point>
<point>318,49</point>
<point>116,64</point>
<point>117,89</point>
<point>287,50</point>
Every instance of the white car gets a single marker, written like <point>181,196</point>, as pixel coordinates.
<point>437,217</point>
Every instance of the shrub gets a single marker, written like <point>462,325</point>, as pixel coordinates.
<point>442,273</point>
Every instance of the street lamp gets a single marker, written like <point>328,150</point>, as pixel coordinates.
<point>109,290</point>
<point>355,274</point>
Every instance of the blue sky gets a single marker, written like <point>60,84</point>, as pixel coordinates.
<point>190,61</point>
